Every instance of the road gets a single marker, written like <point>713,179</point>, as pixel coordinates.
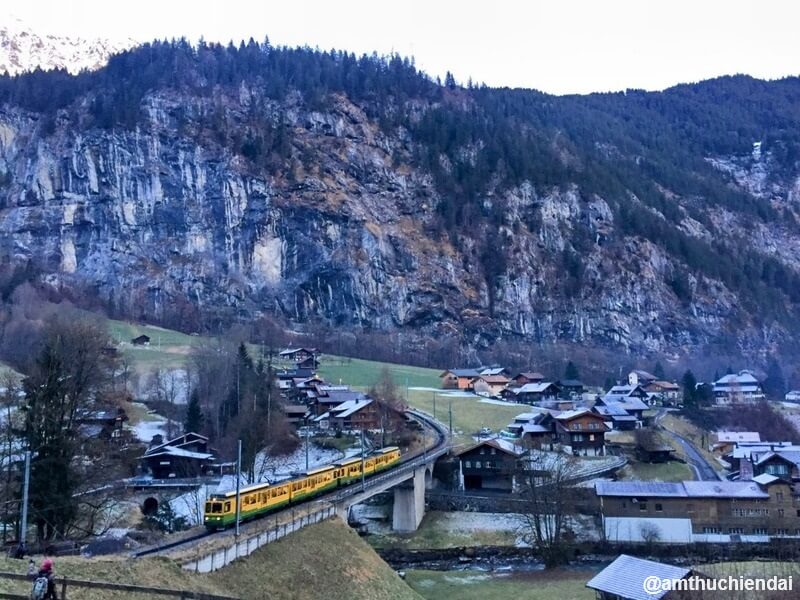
<point>696,460</point>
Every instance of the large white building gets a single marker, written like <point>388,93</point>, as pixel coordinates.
<point>738,388</point>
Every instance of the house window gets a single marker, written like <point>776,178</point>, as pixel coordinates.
<point>781,532</point>
<point>642,506</point>
<point>592,425</point>
<point>735,531</point>
<point>779,496</point>
<point>576,426</point>
<point>591,437</point>
<point>759,531</point>
<point>690,508</point>
<point>659,507</point>
<point>467,464</point>
<point>711,530</point>
<point>493,451</point>
<point>477,464</point>
<point>780,512</point>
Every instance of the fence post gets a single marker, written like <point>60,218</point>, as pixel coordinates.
<point>64,589</point>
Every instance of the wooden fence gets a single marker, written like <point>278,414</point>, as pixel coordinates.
<point>65,583</point>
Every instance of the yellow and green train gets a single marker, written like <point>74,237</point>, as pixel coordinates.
<point>262,498</point>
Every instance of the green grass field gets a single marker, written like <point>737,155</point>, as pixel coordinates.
<point>669,471</point>
<point>469,413</point>
<point>364,373</point>
<point>563,584</point>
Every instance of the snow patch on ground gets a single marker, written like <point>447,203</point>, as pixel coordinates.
<point>145,430</point>
<point>498,402</point>
<point>441,392</point>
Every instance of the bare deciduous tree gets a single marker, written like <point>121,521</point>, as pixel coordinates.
<point>547,481</point>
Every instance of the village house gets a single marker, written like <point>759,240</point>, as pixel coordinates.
<point>784,464</point>
<point>633,405</point>
<point>459,379</point>
<point>793,396</point>
<point>531,393</point>
<point>527,377</point>
<point>141,340</point>
<point>106,424</point>
<point>742,458</point>
<point>300,355</point>
<point>360,414</point>
<point>641,378</point>
<point>665,393</point>
<point>624,579</point>
<point>616,417</point>
<point>571,388</point>
<point>296,413</point>
<point>184,456</point>
<point>532,430</point>
<point>698,511</point>
<point>495,370</point>
<point>329,397</point>
<point>490,385</point>
<point>581,432</point>
<point>490,465</point>
<point>739,388</point>
<point>725,441</point>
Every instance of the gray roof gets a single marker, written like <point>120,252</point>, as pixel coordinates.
<point>464,372</point>
<point>683,489</point>
<point>625,402</point>
<point>792,456</point>
<point>625,577</point>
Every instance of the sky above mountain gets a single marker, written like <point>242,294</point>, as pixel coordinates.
<point>559,46</point>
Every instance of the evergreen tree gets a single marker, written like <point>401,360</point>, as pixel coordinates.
<point>775,383</point>
<point>658,371</point>
<point>571,372</point>
<point>194,414</point>
<point>689,389</point>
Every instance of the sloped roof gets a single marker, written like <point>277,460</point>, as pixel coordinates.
<point>570,382</point>
<point>683,489</point>
<point>500,379</point>
<point>493,371</point>
<point>534,388</point>
<point>627,403</point>
<point>765,479</point>
<point>506,446</point>
<point>532,375</point>
<point>626,575</point>
<point>738,436</point>
<point>462,372</point>
<point>571,414</point>
<point>345,409</point>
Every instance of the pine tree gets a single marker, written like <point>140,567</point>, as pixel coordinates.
<point>571,372</point>
<point>194,414</point>
<point>658,371</point>
<point>775,383</point>
<point>689,389</point>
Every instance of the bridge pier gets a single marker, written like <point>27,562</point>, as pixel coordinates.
<point>409,502</point>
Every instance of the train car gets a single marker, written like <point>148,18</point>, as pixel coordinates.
<point>262,498</point>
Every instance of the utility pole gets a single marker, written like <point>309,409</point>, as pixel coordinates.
<point>450,410</point>
<point>238,487</point>
<point>306,428</point>
<point>363,457</point>
<point>23,526</point>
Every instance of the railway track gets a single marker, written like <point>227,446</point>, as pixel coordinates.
<point>408,462</point>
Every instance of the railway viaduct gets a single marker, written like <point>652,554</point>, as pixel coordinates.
<point>409,482</point>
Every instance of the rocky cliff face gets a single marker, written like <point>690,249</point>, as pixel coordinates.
<point>162,221</point>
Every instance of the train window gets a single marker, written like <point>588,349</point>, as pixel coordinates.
<point>227,507</point>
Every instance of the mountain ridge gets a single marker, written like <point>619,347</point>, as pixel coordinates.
<point>225,183</point>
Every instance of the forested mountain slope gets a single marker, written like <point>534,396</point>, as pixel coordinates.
<point>193,186</point>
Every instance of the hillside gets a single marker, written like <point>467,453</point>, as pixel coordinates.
<point>290,569</point>
<point>201,187</point>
